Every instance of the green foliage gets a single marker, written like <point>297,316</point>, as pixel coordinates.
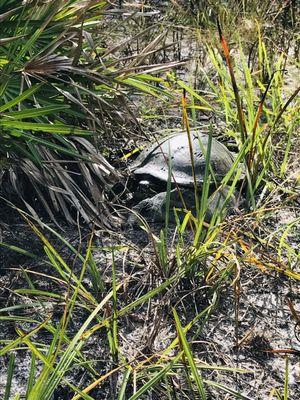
<point>63,92</point>
<point>59,104</point>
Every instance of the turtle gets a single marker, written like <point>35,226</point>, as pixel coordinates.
<point>151,172</point>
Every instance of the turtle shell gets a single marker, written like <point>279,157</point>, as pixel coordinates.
<point>152,164</point>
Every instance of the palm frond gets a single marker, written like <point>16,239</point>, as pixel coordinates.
<point>61,88</point>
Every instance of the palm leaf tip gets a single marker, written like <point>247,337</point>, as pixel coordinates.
<point>48,65</point>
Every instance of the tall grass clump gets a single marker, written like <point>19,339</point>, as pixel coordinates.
<point>103,306</point>
<point>258,113</point>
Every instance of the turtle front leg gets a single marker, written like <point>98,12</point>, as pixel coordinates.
<point>154,209</point>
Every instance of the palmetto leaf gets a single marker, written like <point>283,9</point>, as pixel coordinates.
<point>68,184</point>
<point>47,65</point>
<point>47,128</point>
<point>60,93</point>
<point>35,112</point>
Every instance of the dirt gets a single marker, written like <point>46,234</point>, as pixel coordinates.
<point>249,325</point>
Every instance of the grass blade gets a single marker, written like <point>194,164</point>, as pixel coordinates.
<point>187,352</point>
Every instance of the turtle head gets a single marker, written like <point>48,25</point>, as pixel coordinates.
<point>144,184</point>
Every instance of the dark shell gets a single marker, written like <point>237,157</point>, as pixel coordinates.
<point>153,161</point>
